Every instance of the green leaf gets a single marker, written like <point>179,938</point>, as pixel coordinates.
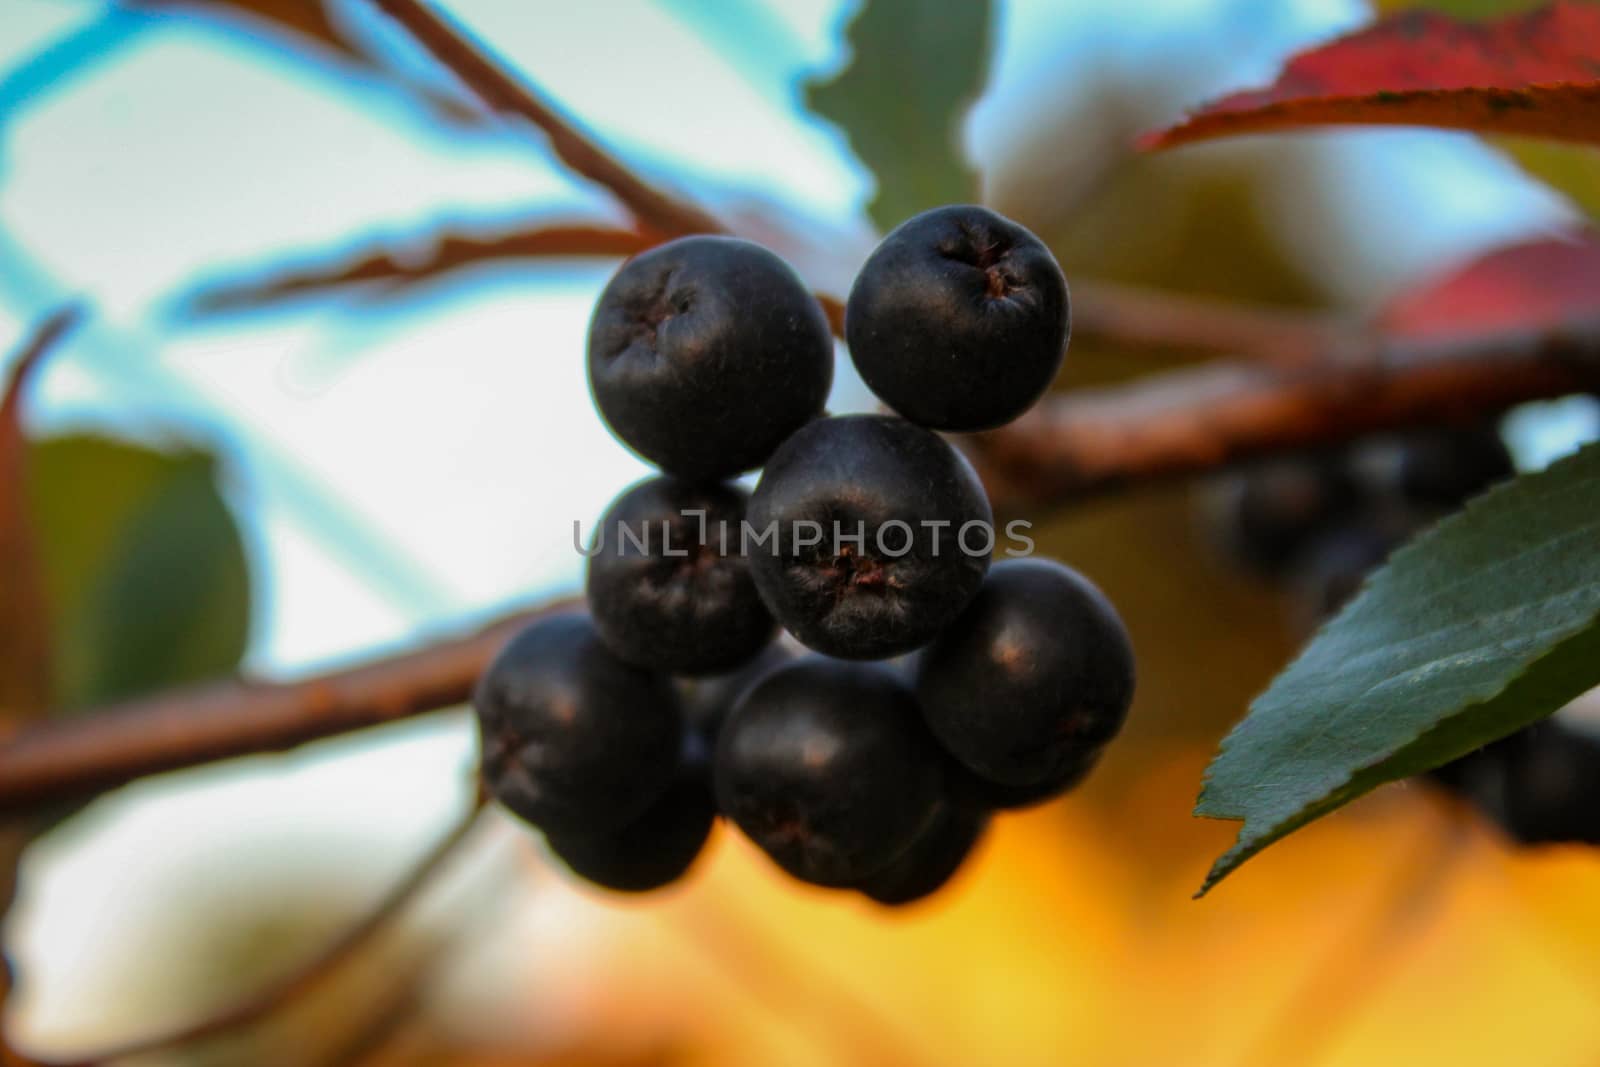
<point>916,65</point>
<point>1484,624</point>
<point>144,566</point>
<point>1572,169</point>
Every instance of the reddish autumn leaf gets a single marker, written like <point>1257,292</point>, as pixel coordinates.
<point>1536,73</point>
<point>1534,285</point>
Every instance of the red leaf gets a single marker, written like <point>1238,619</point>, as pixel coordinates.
<point>1536,73</point>
<point>1535,285</point>
<point>24,625</point>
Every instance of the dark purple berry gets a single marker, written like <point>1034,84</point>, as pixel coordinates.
<point>880,535</point>
<point>705,353</point>
<point>970,789</point>
<point>654,850</point>
<point>1551,786</point>
<point>574,739</point>
<point>932,860</point>
<point>1272,511</point>
<point>1443,468</point>
<point>828,768</point>
<point>959,319</point>
<point>669,587</point>
<point>707,702</point>
<point>1032,679</point>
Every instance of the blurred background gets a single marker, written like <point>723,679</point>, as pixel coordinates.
<point>326,405</point>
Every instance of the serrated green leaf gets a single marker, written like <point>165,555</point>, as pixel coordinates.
<point>1484,624</point>
<point>144,566</point>
<point>916,65</point>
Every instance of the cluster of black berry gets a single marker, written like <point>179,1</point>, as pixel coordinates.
<point>1322,522</point>
<point>621,734</point>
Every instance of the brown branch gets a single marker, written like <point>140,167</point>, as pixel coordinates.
<point>78,757</point>
<point>502,91</point>
<point>445,252</point>
<point>1199,419</point>
<point>1128,317</point>
<point>25,667</point>
<point>313,972</point>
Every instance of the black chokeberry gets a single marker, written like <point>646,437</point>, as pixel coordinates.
<point>1336,564</point>
<point>654,850</point>
<point>959,319</point>
<point>880,533</point>
<point>669,586</point>
<point>707,702</point>
<point>1443,468</point>
<point>827,766</point>
<point>970,789</point>
<point>1550,791</point>
<point>575,739</point>
<point>932,860</point>
<point>705,353</point>
<point>1272,511</point>
<point>1032,678</point>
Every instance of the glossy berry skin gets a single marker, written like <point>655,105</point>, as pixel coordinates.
<point>1032,679</point>
<point>707,702</point>
<point>826,766</point>
<point>651,852</point>
<point>574,739</point>
<point>705,353</point>
<point>932,860</point>
<point>858,601</point>
<point>959,319</point>
<point>666,597</point>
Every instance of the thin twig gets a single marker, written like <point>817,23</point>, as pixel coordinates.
<point>25,663</point>
<point>1128,317</point>
<point>493,83</point>
<point>78,757</point>
<point>1199,419</point>
<point>315,971</point>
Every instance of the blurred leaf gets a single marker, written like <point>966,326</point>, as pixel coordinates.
<point>144,565</point>
<point>424,257</point>
<point>916,66</point>
<point>1572,169</point>
<point>1484,624</point>
<point>1466,9</point>
<point>1533,73</point>
<point>1533,285</point>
